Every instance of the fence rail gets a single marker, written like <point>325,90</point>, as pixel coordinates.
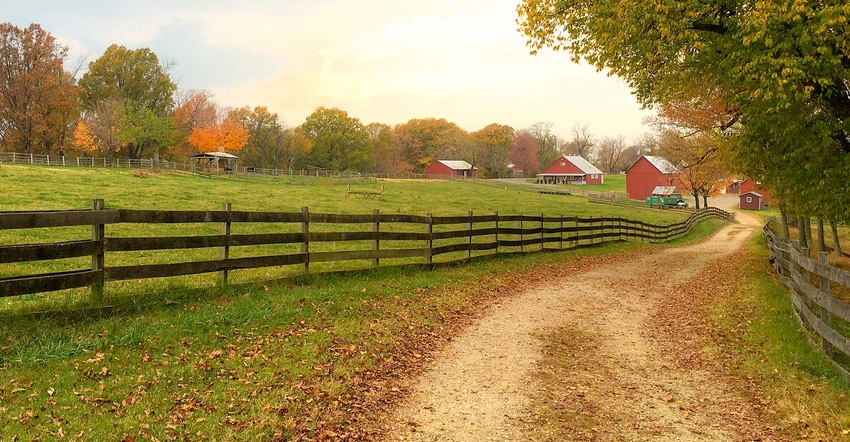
<point>296,175</point>
<point>824,316</point>
<point>390,237</point>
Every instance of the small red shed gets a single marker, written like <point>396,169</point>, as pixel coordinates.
<point>647,173</point>
<point>451,169</point>
<point>751,185</point>
<point>571,170</point>
<point>751,201</point>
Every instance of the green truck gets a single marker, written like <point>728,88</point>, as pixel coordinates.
<point>665,197</point>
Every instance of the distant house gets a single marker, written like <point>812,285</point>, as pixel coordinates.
<point>571,170</point>
<point>751,201</point>
<point>751,185</point>
<point>215,162</point>
<point>451,169</point>
<point>734,187</point>
<point>647,173</point>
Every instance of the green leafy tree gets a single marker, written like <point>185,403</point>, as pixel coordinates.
<point>493,145</point>
<point>265,138</point>
<point>381,142</point>
<point>339,142</point>
<point>135,79</point>
<point>782,69</point>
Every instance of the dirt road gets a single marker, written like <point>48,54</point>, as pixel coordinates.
<point>586,345</point>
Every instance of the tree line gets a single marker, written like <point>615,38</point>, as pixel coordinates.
<point>762,87</point>
<point>126,105</point>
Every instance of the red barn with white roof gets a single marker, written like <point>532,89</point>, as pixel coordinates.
<point>647,173</point>
<point>571,170</point>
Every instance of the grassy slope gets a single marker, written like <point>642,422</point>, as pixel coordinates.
<point>267,360</point>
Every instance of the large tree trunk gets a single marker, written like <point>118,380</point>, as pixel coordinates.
<point>696,201</point>
<point>801,233</point>
<point>836,244</point>
<point>783,215</point>
<point>808,223</point>
<point>821,239</point>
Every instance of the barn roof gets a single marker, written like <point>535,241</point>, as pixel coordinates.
<point>664,190</point>
<point>457,165</point>
<point>752,193</point>
<point>661,164</point>
<point>583,164</point>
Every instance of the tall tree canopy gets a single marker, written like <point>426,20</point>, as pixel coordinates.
<point>37,96</point>
<point>492,146</point>
<point>339,142</point>
<point>421,141</point>
<point>142,89</point>
<point>781,67</point>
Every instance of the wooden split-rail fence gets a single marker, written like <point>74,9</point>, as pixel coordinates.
<point>398,238</point>
<point>811,281</point>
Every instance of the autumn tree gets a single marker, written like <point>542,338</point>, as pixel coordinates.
<point>37,96</point>
<point>99,130</point>
<point>696,157</point>
<point>194,109</point>
<point>227,134</point>
<point>493,144</point>
<point>523,153</point>
<point>295,147</point>
<point>420,142</point>
<point>339,142</point>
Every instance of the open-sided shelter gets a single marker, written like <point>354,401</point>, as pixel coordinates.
<point>215,162</point>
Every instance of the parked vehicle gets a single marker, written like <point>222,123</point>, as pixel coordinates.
<point>667,201</point>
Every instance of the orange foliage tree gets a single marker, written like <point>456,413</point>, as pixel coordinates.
<point>228,135</point>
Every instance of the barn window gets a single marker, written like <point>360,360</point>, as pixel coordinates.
<point>563,163</point>
<point>749,199</point>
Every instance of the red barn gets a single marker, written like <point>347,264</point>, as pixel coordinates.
<point>647,173</point>
<point>451,169</point>
<point>751,201</point>
<point>571,170</point>
<point>751,185</point>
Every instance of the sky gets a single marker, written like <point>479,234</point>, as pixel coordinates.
<point>385,61</point>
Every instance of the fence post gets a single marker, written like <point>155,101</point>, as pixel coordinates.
<point>521,235</point>
<point>224,251</point>
<point>469,238</point>
<point>823,258</point>
<point>542,242</point>
<point>429,259</point>
<point>377,229</point>
<point>305,232</point>
<point>98,234</point>
<point>561,234</point>
<point>496,235</point>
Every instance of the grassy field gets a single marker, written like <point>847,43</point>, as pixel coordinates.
<point>277,359</point>
<point>43,188</point>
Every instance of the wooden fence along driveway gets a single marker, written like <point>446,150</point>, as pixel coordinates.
<point>826,317</point>
<point>306,237</point>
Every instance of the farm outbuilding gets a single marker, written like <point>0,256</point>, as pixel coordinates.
<point>647,173</point>
<point>751,201</point>
<point>215,162</point>
<point>571,170</point>
<point>451,169</point>
<point>751,185</point>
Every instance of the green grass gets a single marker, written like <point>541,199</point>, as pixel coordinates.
<point>44,188</point>
<point>612,183</point>
<point>764,342</point>
<point>276,359</point>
